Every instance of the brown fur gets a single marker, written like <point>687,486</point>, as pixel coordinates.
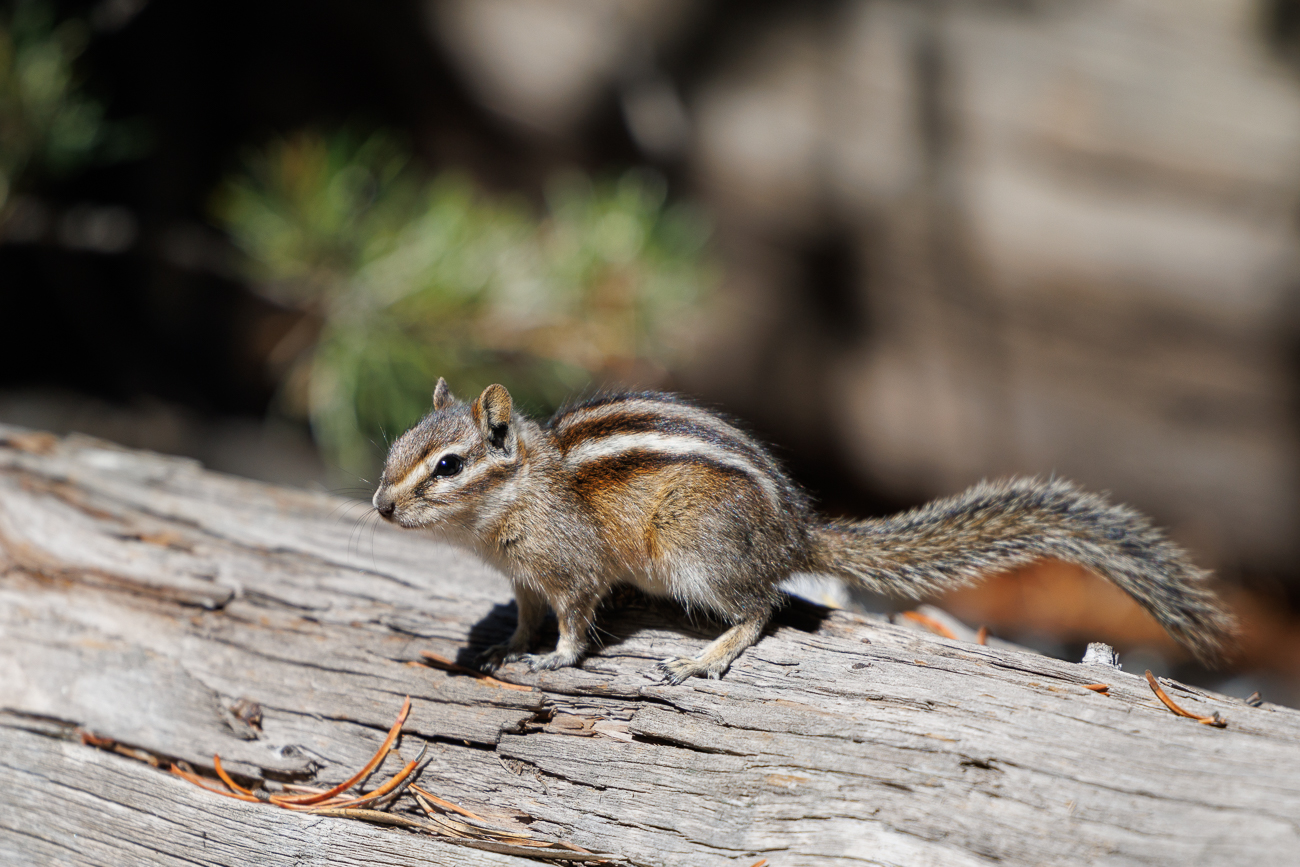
<point>650,490</point>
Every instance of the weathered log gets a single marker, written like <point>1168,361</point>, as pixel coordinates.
<point>142,597</point>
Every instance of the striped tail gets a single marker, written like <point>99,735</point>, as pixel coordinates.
<point>997,526</point>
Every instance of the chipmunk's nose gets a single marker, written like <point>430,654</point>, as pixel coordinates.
<point>384,503</point>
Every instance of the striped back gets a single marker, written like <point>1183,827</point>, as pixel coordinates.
<point>619,435</point>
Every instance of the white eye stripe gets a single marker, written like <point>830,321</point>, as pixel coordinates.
<point>603,448</point>
<point>425,468</point>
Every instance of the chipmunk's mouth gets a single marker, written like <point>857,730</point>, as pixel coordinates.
<point>402,518</point>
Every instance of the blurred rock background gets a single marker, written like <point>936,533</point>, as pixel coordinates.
<point>912,244</point>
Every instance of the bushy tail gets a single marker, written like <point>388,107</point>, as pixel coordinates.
<point>997,526</point>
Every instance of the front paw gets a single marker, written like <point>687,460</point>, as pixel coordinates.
<point>549,661</point>
<point>498,655</point>
<point>675,670</point>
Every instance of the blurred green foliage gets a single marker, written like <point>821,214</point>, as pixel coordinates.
<point>406,277</point>
<point>47,124</point>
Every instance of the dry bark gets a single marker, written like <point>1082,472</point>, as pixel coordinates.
<point>141,597</point>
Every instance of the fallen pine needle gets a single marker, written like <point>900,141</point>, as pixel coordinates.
<point>382,790</point>
<point>472,831</point>
<point>225,778</point>
<point>471,828</point>
<point>447,665</point>
<point>303,800</point>
<point>377,816</point>
<point>464,835</point>
<point>449,827</point>
<point>1217,721</point>
<point>447,805</point>
<point>186,774</point>
<point>929,623</point>
<point>93,740</point>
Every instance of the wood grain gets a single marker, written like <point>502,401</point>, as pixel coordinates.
<point>141,597</point>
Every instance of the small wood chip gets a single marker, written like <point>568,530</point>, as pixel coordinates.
<point>1102,688</point>
<point>248,711</point>
<point>982,636</point>
<point>1217,721</point>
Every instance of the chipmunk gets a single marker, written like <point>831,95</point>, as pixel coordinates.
<point>651,490</point>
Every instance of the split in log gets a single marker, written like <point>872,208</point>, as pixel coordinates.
<point>153,613</point>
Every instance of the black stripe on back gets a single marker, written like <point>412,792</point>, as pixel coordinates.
<point>617,469</point>
<point>725,434</point>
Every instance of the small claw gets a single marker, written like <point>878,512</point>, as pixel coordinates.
<point>496,656</point>
<point>677,670</point>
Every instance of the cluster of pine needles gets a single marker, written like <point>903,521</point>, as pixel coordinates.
<point>444,819</point>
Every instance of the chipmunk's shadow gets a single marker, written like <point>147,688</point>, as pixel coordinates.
<point>496,627</point>
<point>622,615</point>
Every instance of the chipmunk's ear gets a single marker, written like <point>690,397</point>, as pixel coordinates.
<point>442,395</point>
<point>492,412</point>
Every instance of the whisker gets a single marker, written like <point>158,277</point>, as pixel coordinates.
<point>374,528</point>
<point>357,492</point>
<point>356,534</point>
<point>341,512</point>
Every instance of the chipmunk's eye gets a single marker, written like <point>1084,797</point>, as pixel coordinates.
<point>449,466</point>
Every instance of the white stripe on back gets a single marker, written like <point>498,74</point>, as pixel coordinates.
<point>669,410</point>
<point>649,407</point>
<point>684,445</point>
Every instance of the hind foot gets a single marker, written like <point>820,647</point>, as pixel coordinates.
<point>675,670</point>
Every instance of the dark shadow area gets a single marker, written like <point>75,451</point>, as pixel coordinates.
<point>626,612</point>
<point>496,628</point>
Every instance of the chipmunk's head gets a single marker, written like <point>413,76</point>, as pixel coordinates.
<point>455,465</point>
